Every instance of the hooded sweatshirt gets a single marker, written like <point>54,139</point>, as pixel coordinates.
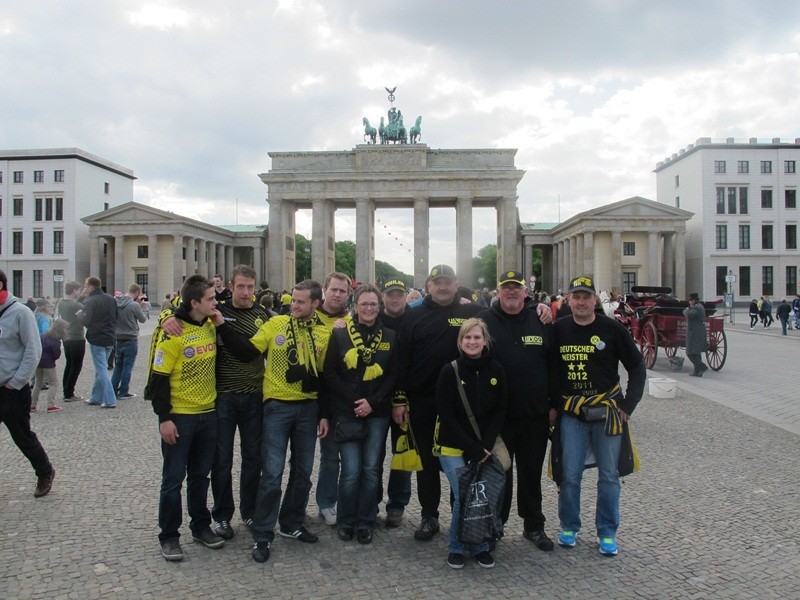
<point>128,313</point>
<point>20,346</point>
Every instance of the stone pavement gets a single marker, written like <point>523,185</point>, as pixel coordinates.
<point>712,514</point>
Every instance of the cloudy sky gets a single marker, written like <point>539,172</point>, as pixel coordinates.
<point>193,94</point>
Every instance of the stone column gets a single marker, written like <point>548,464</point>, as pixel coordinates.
<point>365,240</point>
<point>669,260</point>
<point>507,234</point>
<point>257,267</point>
<point>119,266</point>
<point>191,264</point>
<point>228,263</point>
<point>219,262</point>
<point>652,258</point>
<point>95,251</point>
<point>323,252</point>
<point>563,265</point>
<point>680,264</point>
<point>527,261</point>
<point>153,291</point>
<point>178,264</point>
<point>464,241</point>
<point>569,262</point>
<point>588,254</point>
<point>555,280</point>
<point>421,241</point>
<point>579,255</point>
<point>616,261</point>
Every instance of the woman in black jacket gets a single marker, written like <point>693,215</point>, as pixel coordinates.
<point>484,384</point>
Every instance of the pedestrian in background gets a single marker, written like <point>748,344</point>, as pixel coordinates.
<point>46,371</point>
<point>696,338</point>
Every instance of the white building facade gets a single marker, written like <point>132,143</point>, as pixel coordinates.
<point>744,230</point>
<point>44,194</point>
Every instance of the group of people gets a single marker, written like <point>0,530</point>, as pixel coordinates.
<point>456,375</point>
<point>786,313</point>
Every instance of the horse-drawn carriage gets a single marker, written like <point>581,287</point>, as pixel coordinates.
<point>654,317</point>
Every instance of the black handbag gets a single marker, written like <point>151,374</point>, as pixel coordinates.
<point>596,412</point>
<point>349,429</point>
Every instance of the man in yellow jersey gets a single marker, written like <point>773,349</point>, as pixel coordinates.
<point>295,346</point>
<point>335,292</point>
<point>184,394</point>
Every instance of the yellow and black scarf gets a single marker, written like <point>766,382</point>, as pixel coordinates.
<point>363,353</point>
<point>302,357</point>
<point>573,404</point>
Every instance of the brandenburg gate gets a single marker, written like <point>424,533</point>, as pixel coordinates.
<point>373,176</point>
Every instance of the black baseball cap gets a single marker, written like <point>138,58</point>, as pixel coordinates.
<point>394,284</point>
<point>581,284</point>
<point>511,277</point>
<point>442,271</point>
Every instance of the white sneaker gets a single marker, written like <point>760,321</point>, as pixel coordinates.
<point>329,514</point>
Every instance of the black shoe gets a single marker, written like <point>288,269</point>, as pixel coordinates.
<point>44,484</point>
<point>302,534</point>
<point>455,561</point>
<point>171,550</point>
<point>427,529</point>
<point>248,523</point>
<point>225,531</point>
<point>394,517</point>
<point>364,536</point>
<point>261,552</point>
<point>345,534</point>
<point>208,538</point>
<point>539,539</point>
<point>485,560</point>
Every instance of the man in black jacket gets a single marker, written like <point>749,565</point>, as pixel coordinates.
<point>522,344</point>
<point>99,316</point>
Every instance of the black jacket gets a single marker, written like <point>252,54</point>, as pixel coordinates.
<point>99,316</point>
<point>485,386</point>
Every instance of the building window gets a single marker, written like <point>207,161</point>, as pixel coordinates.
<point>766,237</point>
<point>677,201</point>
<point>722,237</point>
<point>58,283</point>
<point>791,281</point>
<point>722,285</point>
<point>142,252</point>
<point>105,249</point>
<point>790,197</point>
<point>105,205</point>
<point>183,253</point>
<point>38,292</point>
<point>1,242</point>
<point>59,209</point>
<point>789,167</point>
<point>766,198</point>
<point>17,207</point>
<point>48,209</point>
<point>720,200</point>
<point>18,177</point>
<point>106,187</point>
<point>766,281</point>
<point>731,200</point>
<point>677,181</point>
<point>743,201</point>
<point>766,166</point>
<point>38,242</point>
<point>791,237</point>
<point>58,242</point>
<point>38,177</point>
<point>743,166</point>
<point>1,177</point>
<point>58,176</point>
<point>37,209</point>
<point>16,242</point>
<point>719,166</point>
<point>141,279</point>
<point>16,283</point>
<point>744,237</point>
<point>628,281</point>
<point>628,248</point>
<point>744,281</point>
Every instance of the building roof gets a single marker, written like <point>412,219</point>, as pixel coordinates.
<point>244,228</point>
<point>729,144</point>
<point>76,153</point>
<point>538,226</point>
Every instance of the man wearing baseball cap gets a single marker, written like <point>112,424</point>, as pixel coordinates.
<point>594,411</point>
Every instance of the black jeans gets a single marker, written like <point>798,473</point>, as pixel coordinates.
<point>74,351</point>
<point>15,412</point>
<point>697,361</point>
<point>245,411</point>
<point>429,485</point>
<point>526,440</point>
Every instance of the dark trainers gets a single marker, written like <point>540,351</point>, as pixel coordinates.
<point>44,484</point>
<point>208,538</point>
<point>485,560</point>
<point>225,531</point>
<point>345,534</point>
<point>364,536</point>
<point>394,517</point>
<point>539,539</point>
<point>248,522</point>
<point>455,561</point>
<point>261,552</point>
<point>171,550</point>
<point>427,529</point>
<point>302,534</point>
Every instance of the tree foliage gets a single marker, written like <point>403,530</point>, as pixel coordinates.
<point>484,265</point>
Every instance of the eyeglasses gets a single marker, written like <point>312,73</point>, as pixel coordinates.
<point>372,305</point>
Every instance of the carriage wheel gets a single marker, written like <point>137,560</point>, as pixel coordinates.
<point>671,351</point>
<point>649,344</point>
<point>717,349</point>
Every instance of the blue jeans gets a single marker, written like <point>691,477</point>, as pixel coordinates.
<point>285,423</point>
<point>360,481</point>
<point>449,466</point>
<point>189,458</point>
<point>245,411</point>
<point>575,439</point>
<point>102,390</point>
<point>124,356</point>
<point>328,476</point>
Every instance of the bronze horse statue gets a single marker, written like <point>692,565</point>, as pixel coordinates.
<point>369,132</point>
<point>416,131</point>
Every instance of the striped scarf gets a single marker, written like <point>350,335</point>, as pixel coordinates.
<point>362,352</point>
<point>610,399</point>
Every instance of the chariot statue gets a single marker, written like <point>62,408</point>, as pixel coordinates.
<point>393,130</point>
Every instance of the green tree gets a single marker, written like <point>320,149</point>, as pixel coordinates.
<point>302,257</point>
<point>484,265</point>
<point>346,257</point>
<point>385,271</point>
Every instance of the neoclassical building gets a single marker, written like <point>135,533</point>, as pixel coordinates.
<point>631,242</point>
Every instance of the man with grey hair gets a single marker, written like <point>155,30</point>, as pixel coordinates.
<point>129,315</point>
